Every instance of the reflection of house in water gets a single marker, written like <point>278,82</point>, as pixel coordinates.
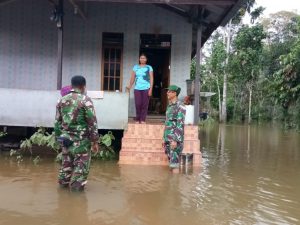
<point>101,40</point>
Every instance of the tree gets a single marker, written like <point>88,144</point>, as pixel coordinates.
<point>246,59</point>
<point>216,65</point>
<point>287,78</point>
<point>281,27</point>
<point>254,13</point>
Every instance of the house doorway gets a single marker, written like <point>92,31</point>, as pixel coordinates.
<point>158,51</point>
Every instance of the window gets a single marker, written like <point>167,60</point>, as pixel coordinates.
<point>112,58</point>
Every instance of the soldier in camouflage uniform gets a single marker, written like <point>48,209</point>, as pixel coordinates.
<point>174,127</point>
<point>77,131</point>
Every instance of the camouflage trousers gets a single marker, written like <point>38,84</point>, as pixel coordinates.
<point>75,165</point>
<point>173,154</point>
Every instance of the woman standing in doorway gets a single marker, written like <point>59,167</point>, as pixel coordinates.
<point>142,79</point>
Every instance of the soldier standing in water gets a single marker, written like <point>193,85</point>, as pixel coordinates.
<point>77,130</point>
<point>174,127</point>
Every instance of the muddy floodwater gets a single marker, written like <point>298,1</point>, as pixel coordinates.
<point>250,175</point>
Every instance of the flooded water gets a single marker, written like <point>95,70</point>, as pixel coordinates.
<point>250,175</point>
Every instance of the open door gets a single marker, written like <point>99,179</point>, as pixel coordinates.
<point>158,51</point>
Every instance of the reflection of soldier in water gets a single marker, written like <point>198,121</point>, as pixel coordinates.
<point>144,189</point>
<point>72,208</point>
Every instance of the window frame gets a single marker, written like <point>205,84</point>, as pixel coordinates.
<point>103,61</point>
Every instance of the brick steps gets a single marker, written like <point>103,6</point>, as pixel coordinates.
<point>142,144</point>
<point>143,158</point>
<point>154,145</point>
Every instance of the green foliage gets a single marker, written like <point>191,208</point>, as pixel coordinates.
<point>193,69</point>
<point>41,138</point>
<point>217,60</point>
<point>106,151</point>
<point>26,144</point>
<point>281,27</point>
<point>207,123</point>
<point>36,160</point>
<point>2,134</point>
<point>287,78</point>
<point>59,157</point>
<point>17,155</point>
<point>248,7</point>
<point>245,67</point>
<point>264,60</point>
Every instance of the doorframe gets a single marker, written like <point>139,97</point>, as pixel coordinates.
<point>166,38</point>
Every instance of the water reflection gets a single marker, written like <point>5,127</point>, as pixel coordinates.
<point>250,175</point>
<point>257,171</point>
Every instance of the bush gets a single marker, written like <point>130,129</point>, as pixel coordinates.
<point>2,134</point>
<point>45,139</point>
<point>41,138</point>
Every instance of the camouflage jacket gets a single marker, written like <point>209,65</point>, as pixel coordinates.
<point>75,118</point>
<point>174,124</point>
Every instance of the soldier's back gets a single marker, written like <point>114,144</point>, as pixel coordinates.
<point>74,125</point>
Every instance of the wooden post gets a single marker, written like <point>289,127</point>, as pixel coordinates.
<point>60,26</point>
<point>197,75</point>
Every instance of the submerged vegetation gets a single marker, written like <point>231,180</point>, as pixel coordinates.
<point>47,142</point>
<point>2,134</point>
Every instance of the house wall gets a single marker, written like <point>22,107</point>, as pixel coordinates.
<point>28,42</point>
<point>35,108</point>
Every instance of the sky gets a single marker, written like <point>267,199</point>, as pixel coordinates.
<point>273,6</point>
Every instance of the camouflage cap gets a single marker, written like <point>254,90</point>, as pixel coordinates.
<point>174,88</point>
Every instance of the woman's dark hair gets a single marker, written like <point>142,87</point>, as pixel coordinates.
<point>143,54</point>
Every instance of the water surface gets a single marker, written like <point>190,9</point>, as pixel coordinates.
<point>250,175</point>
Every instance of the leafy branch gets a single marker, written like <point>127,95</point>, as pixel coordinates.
<point>2,134</point>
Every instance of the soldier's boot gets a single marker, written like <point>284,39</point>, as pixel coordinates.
<point>76,186</point>
<point>174,158</point>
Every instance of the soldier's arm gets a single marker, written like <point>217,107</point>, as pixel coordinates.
<point>91,120</point>
<point>58,121</point>
<point>179,129</point>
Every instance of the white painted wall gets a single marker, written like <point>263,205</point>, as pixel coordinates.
<point>32,108</point>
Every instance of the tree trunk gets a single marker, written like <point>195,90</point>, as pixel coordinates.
<point>224,109</point>
<point>219,99</point>
<point>235,101</point>
<point>250,103</point>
